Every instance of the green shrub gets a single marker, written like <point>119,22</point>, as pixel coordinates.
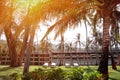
<point>90,74</point>
<point>38,74</point>
<point>59,74</point>
<point>55,74</point>
<point>74,74</point>
<point>14,76</point>
<point>82,74</point>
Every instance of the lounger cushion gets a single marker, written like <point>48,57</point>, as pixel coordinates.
<point>45,64</point>
<point>75,64</point>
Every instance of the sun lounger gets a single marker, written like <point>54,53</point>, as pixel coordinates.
<point>45,64</point>
<point>53,64</point>
<point>67,65</point>
<point>75,64</point>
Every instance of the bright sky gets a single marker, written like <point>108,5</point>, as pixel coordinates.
<point>69,36</point>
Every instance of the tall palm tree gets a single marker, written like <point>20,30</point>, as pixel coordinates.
<point>106,12</point>
<point>6,22</point>
<point>102,9</point>
<point>45,45</point>
<point>69,13</point>
<point>78,42</point>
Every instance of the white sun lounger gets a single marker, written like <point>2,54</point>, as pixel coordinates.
<point>67,64</point>
<point>75,64</point>
<point>45,64</point>
<point>53,64</point>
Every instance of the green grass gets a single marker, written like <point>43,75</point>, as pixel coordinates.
<point>6,70</point>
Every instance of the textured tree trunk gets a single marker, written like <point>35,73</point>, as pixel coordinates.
<point>27,59</point>
<point>7,23</point>
<point>62,43</point>
<point>86,43</point>
<point>106,13</point>
<point>103,66</point>
<point>24,45</point>
<point>12,50</point>
<point>78,43</point>
<point>62,50</point>
<point>29,51</point>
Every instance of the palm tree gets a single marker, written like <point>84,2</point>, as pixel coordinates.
<point>106,12</point>
<point>29,51</point>
<point>69,46</point>
<point>77,13</point>
<point>69,14</point>
<point>45,45</point>
<point>12,32</point>
<point>102,11</point>
<point>6,22</point>
<point>78,42</point>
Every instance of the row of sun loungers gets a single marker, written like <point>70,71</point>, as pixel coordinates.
<point>53,64</point>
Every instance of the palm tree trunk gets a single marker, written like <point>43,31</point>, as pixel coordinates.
<point>24,45</point>
<point>29,51</point>
<point>62,49</point>
<point>12,50</point>
<point>62,43</point>
<point>86,43</point>
<point>11,40</point>
<point>103,66</point>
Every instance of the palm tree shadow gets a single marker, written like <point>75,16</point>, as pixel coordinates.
<point>118,70</point>
<point>5,68</point>
<point>2,77</point>
<point>112,78</point>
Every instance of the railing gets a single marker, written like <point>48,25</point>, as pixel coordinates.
<point>82,58</point>
<point>35,59</point>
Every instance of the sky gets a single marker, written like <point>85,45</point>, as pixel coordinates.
<point>69,36</point>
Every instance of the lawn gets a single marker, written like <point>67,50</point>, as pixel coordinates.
<point>6,70</point>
